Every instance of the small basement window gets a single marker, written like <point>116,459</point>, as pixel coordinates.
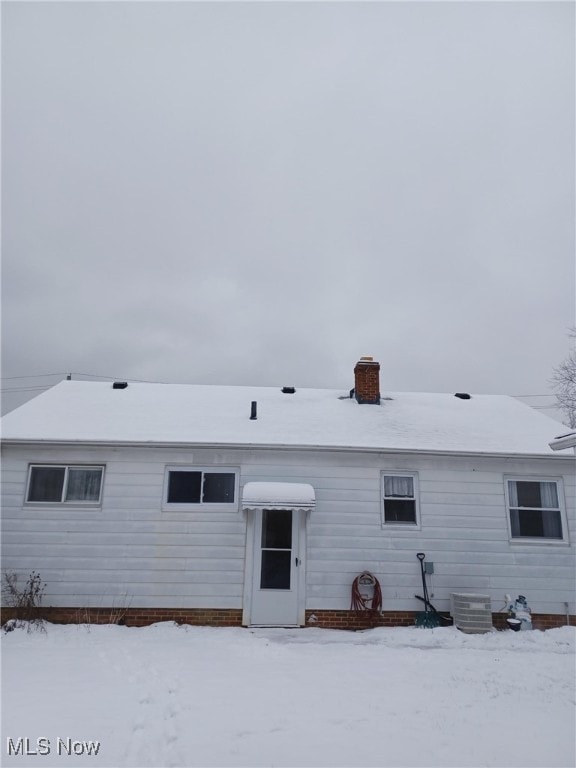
<point>400,500</point>
<point>193,486</point>
<point>535,509</point>
<point>64,484</point>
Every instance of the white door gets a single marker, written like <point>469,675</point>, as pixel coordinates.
<point>277,568</point>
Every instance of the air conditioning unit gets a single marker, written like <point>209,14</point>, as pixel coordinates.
<point>471,613</point>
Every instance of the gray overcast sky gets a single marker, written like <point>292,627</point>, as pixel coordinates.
<point>260,193</point>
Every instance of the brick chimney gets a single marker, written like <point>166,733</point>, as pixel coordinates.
<point>367,381</point>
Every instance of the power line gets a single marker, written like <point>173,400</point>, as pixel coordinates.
<point>117,378</point>
<point>32,376</point>
<point>544,407</point>
<point>153,381</point>
<point>101,376</point>
<point>550,395</point>
<point>64,373</point>
<point>78,373</point>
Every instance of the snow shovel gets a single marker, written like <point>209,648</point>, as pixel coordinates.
<point>427,618</point>
<point>440,616</point>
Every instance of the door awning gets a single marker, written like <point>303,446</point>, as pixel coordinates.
<point>563,441</point>
<point>278,496</point>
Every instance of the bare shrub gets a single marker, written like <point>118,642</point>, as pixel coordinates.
<point>119,609</point>
<point>116,614</point>
<point>84,616</point>
<point>26,600</point>
<point>564,384</point>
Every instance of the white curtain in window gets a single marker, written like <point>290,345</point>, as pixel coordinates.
<point>83,484</point>
<point>513,493</point>
<point>549,495</point>
<point>552,524</point>
<point>396,485</point>
<point>515,522</point>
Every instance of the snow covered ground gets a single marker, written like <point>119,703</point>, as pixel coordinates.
<point>170,695</point>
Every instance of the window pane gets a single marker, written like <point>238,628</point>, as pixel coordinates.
<point>83,484</point>
<point>531,523</point>
<point>46,484</point>
<point>534,494</point>
<point>218,487</point>
<point>399,511</point>
<point>398,486</point>
<point>536,523</point>
<point>275,572</point>
<point>184,487</point>
<point>528,494</point>
<point>277,529</point>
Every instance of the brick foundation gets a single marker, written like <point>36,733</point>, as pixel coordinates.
<point>539,620</point>
<point>351,620</point>
<point>137,617</point>
<point>232,617</point>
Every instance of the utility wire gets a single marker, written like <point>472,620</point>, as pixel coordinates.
<point>543,407</point>
<point>550,395</point>
<point>120,378</point>
<point>150,381</point>
<point>69,373</point>
<point>33,376</point>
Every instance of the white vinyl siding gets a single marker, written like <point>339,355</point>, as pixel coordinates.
<point>133,548</point>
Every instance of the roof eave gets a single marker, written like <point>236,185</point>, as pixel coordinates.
<point>274,446</point>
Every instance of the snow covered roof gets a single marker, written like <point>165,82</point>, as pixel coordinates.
<point>278,496</point>
<point>95,412</point>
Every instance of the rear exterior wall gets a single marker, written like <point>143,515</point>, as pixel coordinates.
<point>128,552</point>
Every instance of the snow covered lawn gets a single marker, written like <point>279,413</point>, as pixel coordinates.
<point>170,695</point>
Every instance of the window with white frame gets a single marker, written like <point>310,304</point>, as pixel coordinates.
<point>64,484</point>
<point>400,500</point>
<point>198,486</point>
<point>535,509</point>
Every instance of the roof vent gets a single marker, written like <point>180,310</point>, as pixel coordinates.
<point>463,395</point>
<point>120,385</point>
<point>288,390</point>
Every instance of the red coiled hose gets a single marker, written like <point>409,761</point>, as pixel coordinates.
<point>360,603</point>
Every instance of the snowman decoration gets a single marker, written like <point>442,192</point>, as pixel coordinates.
<point>519,613</point>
